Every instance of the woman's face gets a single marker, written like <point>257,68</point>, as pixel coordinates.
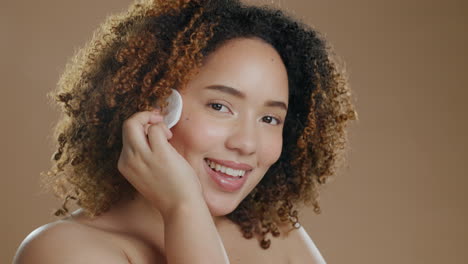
<point>242,124</point>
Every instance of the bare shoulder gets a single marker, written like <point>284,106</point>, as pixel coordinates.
<point>301,248</point>
<point>67,242</point>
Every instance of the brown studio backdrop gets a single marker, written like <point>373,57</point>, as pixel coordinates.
<point>401,199</point>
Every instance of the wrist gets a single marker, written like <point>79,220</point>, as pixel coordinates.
<point>185,209</point>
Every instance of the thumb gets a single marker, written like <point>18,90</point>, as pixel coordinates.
<point>158,134</point>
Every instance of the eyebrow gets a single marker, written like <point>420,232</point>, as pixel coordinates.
<point>239,94</point>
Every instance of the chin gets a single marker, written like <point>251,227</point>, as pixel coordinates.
<point>215,212</point>
<point>220,206</point>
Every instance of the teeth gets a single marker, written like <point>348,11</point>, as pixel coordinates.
<point>223,169</point>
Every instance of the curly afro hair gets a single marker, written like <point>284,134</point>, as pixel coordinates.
<point>135,57</point>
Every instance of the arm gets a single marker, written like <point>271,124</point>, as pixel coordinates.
<point>191,236</point>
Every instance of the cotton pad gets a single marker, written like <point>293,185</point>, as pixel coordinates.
<point>173,109</point>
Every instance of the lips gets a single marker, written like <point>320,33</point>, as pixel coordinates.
<point>232,164</point>
<point>225,182</point>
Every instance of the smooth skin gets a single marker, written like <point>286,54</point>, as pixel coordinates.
<point>178,215</point>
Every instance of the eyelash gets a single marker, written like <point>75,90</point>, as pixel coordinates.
<point>211,104</point>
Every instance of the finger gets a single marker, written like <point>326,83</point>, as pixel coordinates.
<point>146,128</point>
<point>160,119</point>
<point>158,135</point>
<point>133,131</point>
<point>167,131</point>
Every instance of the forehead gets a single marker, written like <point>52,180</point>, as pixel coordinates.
<point>249,65</point>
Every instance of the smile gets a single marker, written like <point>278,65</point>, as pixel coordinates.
<point>220,168</point>
<point>223,180</point>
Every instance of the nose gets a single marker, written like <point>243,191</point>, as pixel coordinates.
<point>243,138</point>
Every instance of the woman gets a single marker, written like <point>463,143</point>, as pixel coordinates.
<point>261,97</point>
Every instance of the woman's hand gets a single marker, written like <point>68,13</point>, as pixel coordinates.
<point>150,163</point>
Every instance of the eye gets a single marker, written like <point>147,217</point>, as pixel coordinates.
<point>216,106</point>
<point>268,120</point>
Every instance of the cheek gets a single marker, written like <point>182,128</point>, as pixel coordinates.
<point>270,149</point>
<point>193,133</point>
<point>268,153</point>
